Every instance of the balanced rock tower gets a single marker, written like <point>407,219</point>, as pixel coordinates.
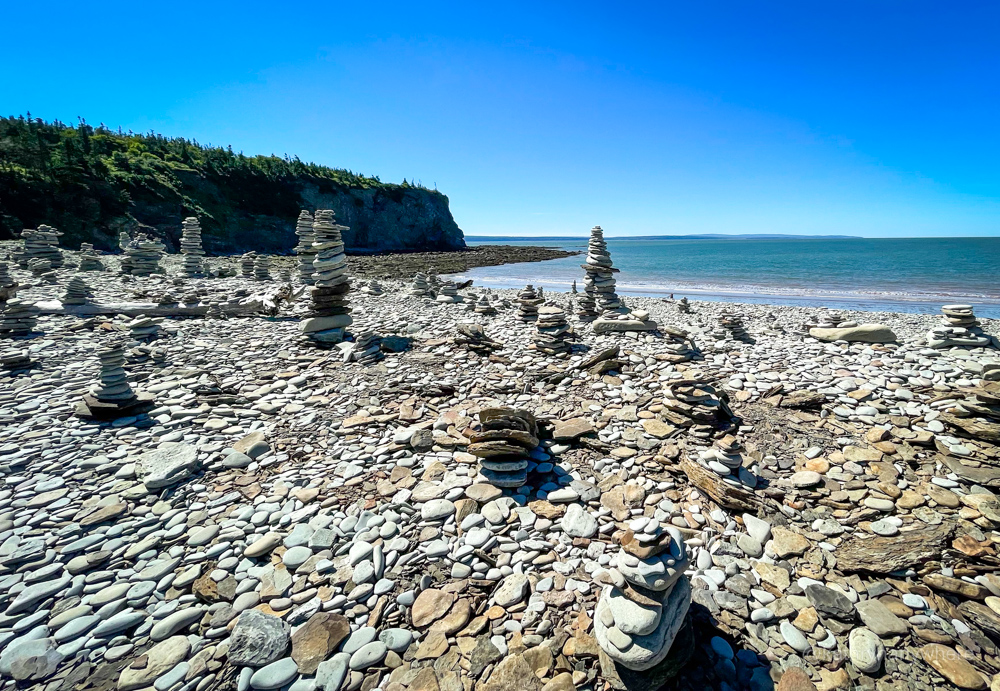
<point>262,268</point>
<point>112,397</point>
<point>247,263</point>
<point>77,292</point>
<point>329,314</point>
<point>503,445</point>
<point>448,293</point>
<point>18,318</point>
<point>143,256</point>
<point>484,306</point>
<point>552,331</point>
<point>89,261</point>
<point>959,328</point>
<point>419,287</point>
<point>599,282</point>
<point>645,597</point>
<point>528,302</point>
<point>42,243</point>
<point>304,249</point>
<point>192,265</point>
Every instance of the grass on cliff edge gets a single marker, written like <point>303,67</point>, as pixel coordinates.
<point>81,179</point>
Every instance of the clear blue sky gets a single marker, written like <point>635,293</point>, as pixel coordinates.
<point>865,118</point>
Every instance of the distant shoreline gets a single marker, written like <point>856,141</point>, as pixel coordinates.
<point>707,236</point>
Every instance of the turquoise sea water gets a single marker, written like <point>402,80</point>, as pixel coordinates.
<point>892,274</point>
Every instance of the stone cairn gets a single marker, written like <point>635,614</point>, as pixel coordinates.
<point>367,348</point>
<point>8,286</point>
<point>484,306</point>
<point>41,244</point>
<point>645,595</point>
<point>448,293</point>
<point>329,312</point>
<point>473,337</point>
<point>420,287</point>
<point>304,250</point>
<point>77,292</point>
<point>959,327</point>
<point>247,263</point>
<point>732,324</point>
<point>14,360</point>
<point>697,406</point>
<point>18,318</point>
<point>144,328</point>
<point>827,320</point>
<point>587,308</point>
<point>192,265</point>
<point>262,268</point>
<point>683,306</point>
<point>285,275</point>
<point>599,283</point>
<point>372,287</point>
<point>551,331</point>
<point>112,396</point>
<point>504,444</point>
<point>123,240</point>
<point>528,302</point>
<point>572,288</point>
<point>89,260</point>
<point>42,269</point>
<point>142,256</point>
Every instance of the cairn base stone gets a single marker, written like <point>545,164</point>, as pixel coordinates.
<point>650,650</point>
<point>92,409</point>
<point>621,678</point>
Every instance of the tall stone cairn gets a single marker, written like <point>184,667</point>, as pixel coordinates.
<point>112,385</point>
<point>192,265</point>
<point>42,243</point>
<point>599,282</point>
<point>262,268</point>
<point>528,302</point>
<point>246,264</point>
<point>305,251</point>
<point>329,315</point>
<point>551,331</point>
<point>123,240</point>
<point>89,261</point>
<point>503,444</point>
<point>143,256</point>
<point>645,595</point>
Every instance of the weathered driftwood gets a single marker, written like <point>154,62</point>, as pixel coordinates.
<point>887,554</point>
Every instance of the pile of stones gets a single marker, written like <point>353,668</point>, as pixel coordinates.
<point>16,360</point>
<point>503,444</point>
<point>528,302</point>
<point>123,240</point>
<point>8,286</point>
<point>144,328</point>
<point>645,596</point>
<point>77,292</point>
<point>42,243</point>
<point>329,311</point>
<point>247,264</point>
<point>42,269</point>
<point>731,324</point>
<point>192,265</point>
<point>448,293</point>
<point>484,306</point>
<point>372,287</point>
<point>959,328</point>
<point>599,283</point>
<point>696,405</point>
<point>304,248</point>
<point>551,331</point>
<point>18,319</point>
<point>262,268</point>
<point>89,260</point>
<point>142,256</point>
<point>112,397</point>
<point>725,459</point>
<point>586,308</point>
<point>959,315</point>
<point>367,348</point>
<point>828,319</point>
<point>683,306</point>
<point>473,337</point>
<point>420,287</point>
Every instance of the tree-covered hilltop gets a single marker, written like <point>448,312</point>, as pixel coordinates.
<point>92,182</point>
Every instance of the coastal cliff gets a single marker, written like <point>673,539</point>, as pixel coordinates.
<point>92,183</point>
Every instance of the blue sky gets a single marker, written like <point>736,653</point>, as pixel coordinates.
<point>861,118</point>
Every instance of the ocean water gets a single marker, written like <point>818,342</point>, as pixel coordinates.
<point>915,275</point>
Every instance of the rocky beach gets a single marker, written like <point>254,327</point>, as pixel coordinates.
<point>491,490</point>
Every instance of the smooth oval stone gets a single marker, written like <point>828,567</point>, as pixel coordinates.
<point>275,675</point>
<point>368,655</point>
<point>396,640</point>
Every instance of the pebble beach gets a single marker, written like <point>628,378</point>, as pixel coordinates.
<point>279,515</point>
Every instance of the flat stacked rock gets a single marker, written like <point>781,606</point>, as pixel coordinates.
<point>372,287</point>
<point>144,328</point>
<point>77,292</point>
<point>14,360</point>
<point>694,404</point>
<point>123,240</point>
<point>586,308</point>
<point>247,263</point>
<point>192,265</point>
<point>8,286</point>
<point>262,268</point>
<point>572,288</point>
<point>726,460</point>
<point>329,312</point>
<point>645,597</point>
<point>89,260</point>
<point>732,324</point>
<point>528,302</point>
<point>473,337</point>
<point>551,331</point>
<point>42,269</point>
<point>419,287</point>
<point>304,249</point>
<point>599,283</point>
<point>959,328</point>
<point>18,318</point>
<point>828,319</point>
<point>484,306</point>
<point>285,276</point>
<point>613,321</point>
<point>112,397</point>
<point>683,306</point>
<point>42,243</point>
<point>959,315</point>
<point>143,256</point>
<point>448,293</point>
<point>503,444</point>
<point>367,348</point>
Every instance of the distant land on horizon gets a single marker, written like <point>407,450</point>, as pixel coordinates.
<point>705,236</point>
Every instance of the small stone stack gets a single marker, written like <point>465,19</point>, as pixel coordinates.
<point>262,268</point>
<point>528,302</point>
<point>8,286</point>
<point>112,397</point>
<point>959,315</point>
<point>732,324</point>
<point>552,331</point>
<point>503,445</point>
<point>694,404</point>
<point>645,596</point>
<point>123,240</point>
<point>448,293</point>
<point>42,243</point>
<point>89,261</point>
<point>14,360</point>
<point>367,348</point>
<point>77,292</point>
<point>330,314</point>
<point>144,328</point>
<point>304,250</point>
<point>587,308</point>
<point>683,306</point>
<point>599,283</point>
<point>42,269</point>
<point>484,306</point>
<point>420,287</point>
<point>247,263</point>
<point>372,288</point>
<point>18,318</point>
<point>192,265</point>
<point>827,320</point>
<point>143,256</point>
<point>474,337</point>
<point>959,328</point>
<point>572,288</point>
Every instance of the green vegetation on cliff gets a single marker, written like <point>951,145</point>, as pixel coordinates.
<point>91,183</point>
